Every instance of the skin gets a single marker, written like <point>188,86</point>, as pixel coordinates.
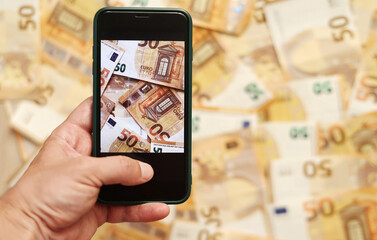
<point>57,196</point>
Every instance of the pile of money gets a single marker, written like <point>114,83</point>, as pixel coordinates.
<point>284,110</point>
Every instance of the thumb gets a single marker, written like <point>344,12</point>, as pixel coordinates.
<point>118,169</point>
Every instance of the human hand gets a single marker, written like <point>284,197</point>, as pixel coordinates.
<point>57,196</point>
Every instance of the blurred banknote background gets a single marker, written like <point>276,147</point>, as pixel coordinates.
<point>284,112</point>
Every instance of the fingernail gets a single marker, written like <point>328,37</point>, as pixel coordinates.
<point>146,170</point>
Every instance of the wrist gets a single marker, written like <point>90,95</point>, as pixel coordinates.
<point>15,222</point>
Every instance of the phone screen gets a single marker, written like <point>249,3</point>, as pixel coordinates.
<point>142,99</point>
<point>142,96</point>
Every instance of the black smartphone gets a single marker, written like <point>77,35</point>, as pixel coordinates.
<point>142,99</point>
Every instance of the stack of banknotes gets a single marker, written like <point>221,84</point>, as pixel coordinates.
<point>284,111</point>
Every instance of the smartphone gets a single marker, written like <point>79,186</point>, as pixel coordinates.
<point>142,99</point>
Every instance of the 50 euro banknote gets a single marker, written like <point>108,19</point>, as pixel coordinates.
<point>363,11</point>
<point>116,87</point>
<point>159,62</point>
<point>315,38</point>
<point>209,123</point>
<point>117,135</point>
<point>320,175</point>
<point>36,121</point>
<point>209,220</point>
<point>255,47</point>
<point>158,110</point>
<point>20,75</point>
<point>273,140</point>
<point>67,34</point>
<point>225,166</point>
<point>363,97</point>
<point>313,99</point>
<point>110,56</point>
<point>107,107</point>
<point>218,75</point>
<point>345,215</point>
<point>160,146</point>
<point>349,136</point>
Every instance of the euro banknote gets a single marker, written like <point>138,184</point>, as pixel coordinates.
<point>209,123</point>
<point>272,140</point>
<point>110,56</point>
<point>107,106</point>
<point>209,218</point>
<point>217,75</point>
<point>158,62</point>
<point>158,110</point>
<point>225,166</point>
<point>364,94</point>
<point>320,175</point>
<point>363,11</point>
<point>159,146</point>
<point>338,216</point>
<point>64,93</point>
<point>117,135</point>
<point>342,215</point>
<point>67,34</point>
<point>288,220</point>
<point>315,38</point>
<point>19,50</point>
<point>349,136</point>
<point>255,47</point>
<point>36,121</point>
<point>116,87</point>
<point>320,99</point>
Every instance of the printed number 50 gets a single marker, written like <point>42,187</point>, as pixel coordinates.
<point>340,23</point>
<point>131,141</point>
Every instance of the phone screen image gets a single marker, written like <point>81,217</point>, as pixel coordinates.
<point>142,96</point>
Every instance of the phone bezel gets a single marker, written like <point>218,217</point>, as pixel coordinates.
<point>161,188</point>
